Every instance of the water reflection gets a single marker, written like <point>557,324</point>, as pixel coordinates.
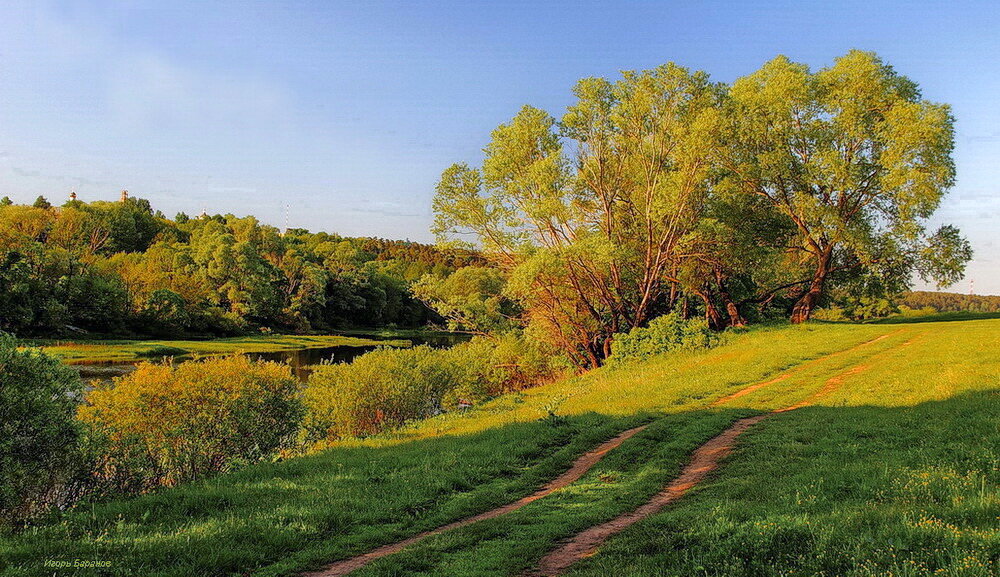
<point>301,361</point>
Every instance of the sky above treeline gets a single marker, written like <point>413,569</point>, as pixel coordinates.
<point>343,114</point>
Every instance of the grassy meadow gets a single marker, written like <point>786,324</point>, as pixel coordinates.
<point>896,470</point>
<point>123,351</point>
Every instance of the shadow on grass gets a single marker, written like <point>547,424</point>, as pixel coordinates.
<point>865,490</point>
<point>337,503</point>
<point>281,518</point>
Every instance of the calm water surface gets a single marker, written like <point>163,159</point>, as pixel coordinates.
<point>301,360</point>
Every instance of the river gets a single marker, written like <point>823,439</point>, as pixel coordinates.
<point>301,361</point>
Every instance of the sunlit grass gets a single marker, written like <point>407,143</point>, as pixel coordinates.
<point>897,472</point>
<point>852,468</point>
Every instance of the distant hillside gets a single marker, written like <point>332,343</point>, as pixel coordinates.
<point>951,302</point>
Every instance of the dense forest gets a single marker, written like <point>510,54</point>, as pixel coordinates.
<point>123,268</point>
<point>944,302</point>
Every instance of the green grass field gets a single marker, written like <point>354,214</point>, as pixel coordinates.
<point>895,471</point>
<point>121,351</point>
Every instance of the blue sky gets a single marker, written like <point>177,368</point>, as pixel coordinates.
<point>348,111</point>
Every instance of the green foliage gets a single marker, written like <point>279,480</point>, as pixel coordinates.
<point>378,390</point>
<point>161,351</point>
<point>951,302</point>
<point>666,333</point>
<point>162,425</point>
<point>120,268</point>
<point>471,299</point>
<point>490,366</point>
<point>661,189</point>
<point>855,159</point>
<point>385,388</point>
<point>38,432</point>
<point>589,215</point>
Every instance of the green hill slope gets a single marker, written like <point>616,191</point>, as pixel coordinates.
<point>895,468</point>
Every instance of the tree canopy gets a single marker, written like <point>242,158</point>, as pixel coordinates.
<point>665,191</point>
<point>121,268</point>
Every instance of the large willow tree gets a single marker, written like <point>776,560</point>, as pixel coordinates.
<point>591,217</point>
<point>855,158</point>
<point>663,188</point>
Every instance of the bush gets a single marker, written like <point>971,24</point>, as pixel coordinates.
<point>387,387</point>
<point>832,313</point>
<point>380,389</point>
<point>492,366</point>
<point>666,333</point>
<point>162,425</point>
<point>38,433</point>
<point>160,351</point>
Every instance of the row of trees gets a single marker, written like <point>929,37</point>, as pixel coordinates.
<point>120,267</point>
<point>951,302</point>
<point>665,191</point>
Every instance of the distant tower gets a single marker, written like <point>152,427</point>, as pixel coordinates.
<point>72,195</point>
<point>972,286</point>
<point>284,232</point>
<point>124,195</point>
<point>203,215</point>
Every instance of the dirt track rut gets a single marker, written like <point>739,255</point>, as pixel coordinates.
<point>704,460</point>
<point>577,470</point>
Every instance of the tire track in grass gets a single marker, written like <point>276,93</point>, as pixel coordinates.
<point>704,460</point>
<point>580,467</point>
<point>582,464</point>
<point>799,368</point>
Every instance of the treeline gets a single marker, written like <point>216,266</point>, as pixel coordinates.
<point>121,268</point>
<point>944,302</point>
<point>664,191</point>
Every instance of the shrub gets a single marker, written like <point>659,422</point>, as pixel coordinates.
<point>387,387</point>
<point>162,425</point>
<point>832,313</point>
<point>491,366</point>
<point>38,433</point>
<point>665,333</point>
<point>380,389</point>
<point>160,351</point>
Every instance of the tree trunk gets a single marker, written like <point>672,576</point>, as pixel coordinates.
<point>712,314</point>
<point>735,318</point>
<point>807,302</point>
